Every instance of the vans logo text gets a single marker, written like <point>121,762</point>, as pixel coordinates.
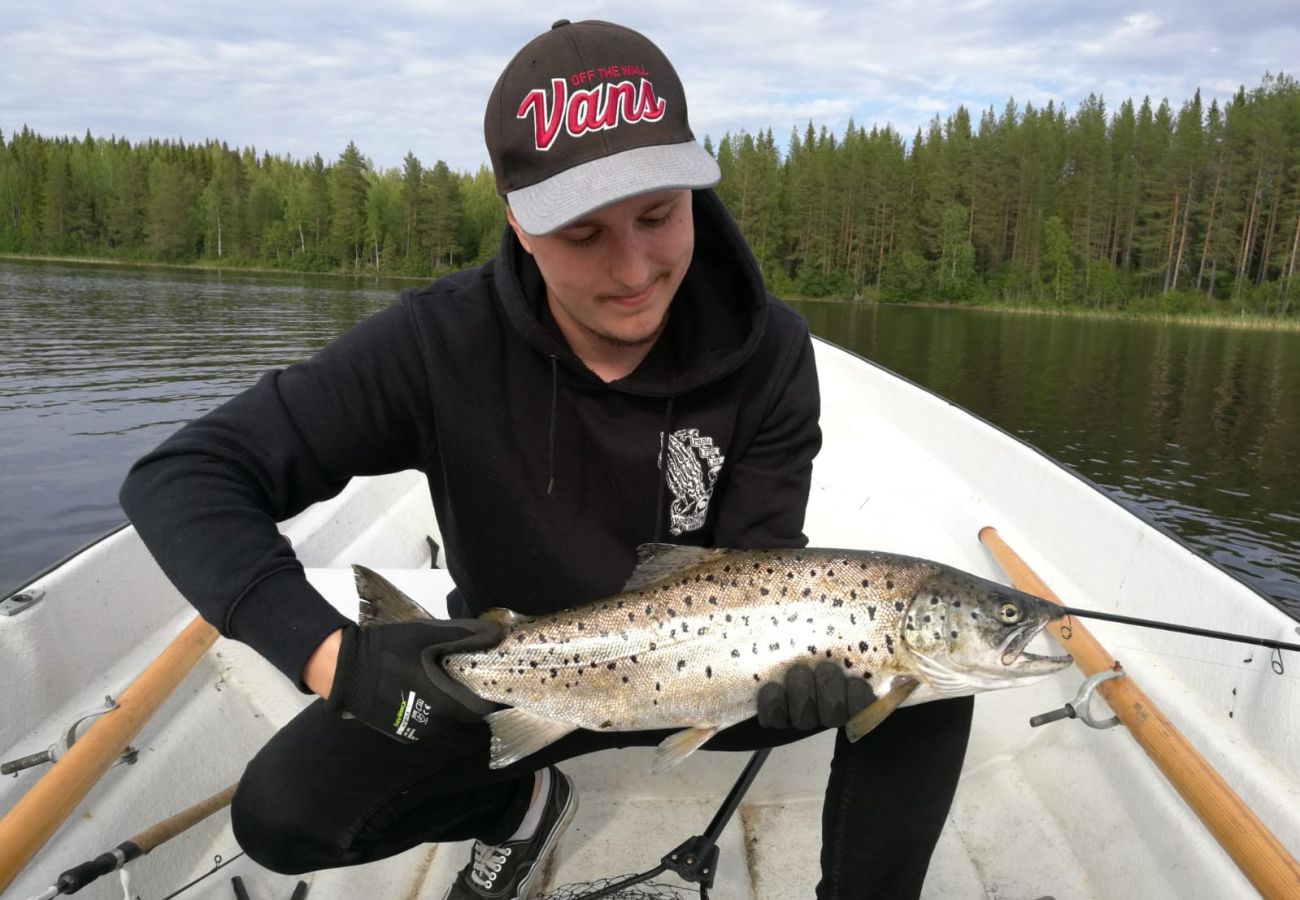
<point>594,109</point>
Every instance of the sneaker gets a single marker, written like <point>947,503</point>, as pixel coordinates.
<point>512,871</point>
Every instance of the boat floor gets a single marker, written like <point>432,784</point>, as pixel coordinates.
<point>769,850</point>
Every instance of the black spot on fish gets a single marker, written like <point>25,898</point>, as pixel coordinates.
<point>789,575</point>
<point>713,601</point>
<point>953,635</point>
<point>532,665</point>
<point>708,671</point>
<point>862,646</point>
<point>889,643</point>
<point>658,686</point>
<point>633,658</point>
<point>866,583</point>
<point>754,649</point>
<point>611,666</point>
<point>889,584</point>
<point>756,678</point>
<point>805,592</point>
<point>555,673</point>
<point>764,591</point>
<point>934,600</point>
<point>647,609</point>
<point>681,664</point>
<point>685,628</point>
<point>830,573</point>
<point>898,605</point>
<point>631,617</point>
<point>974,614</point>
<point>848,663</point>
<point>473,664</point>
<point>837,602</point>
<point>510,690</point>
<point>812,648</point>
<point>653,646</point>
<point>925,619</point>
<point>689,602</point>
<point>735,654</point>
<point>672,613</point>
<point>625,679</point>
<point>582,626</point>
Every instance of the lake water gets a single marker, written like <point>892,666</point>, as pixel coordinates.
<point>1196,428</point>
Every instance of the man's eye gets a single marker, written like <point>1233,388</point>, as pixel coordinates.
<point>581,239</point>
<point>655,221</point>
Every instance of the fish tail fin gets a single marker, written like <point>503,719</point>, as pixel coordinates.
<point>679,745</point>
<point>867,719</point>
<point>517,733</point>
<point>382,602</point>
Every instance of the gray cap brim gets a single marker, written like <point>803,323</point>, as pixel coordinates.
<point>551,204</point>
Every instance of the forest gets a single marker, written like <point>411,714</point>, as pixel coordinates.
<point>1143,207</point>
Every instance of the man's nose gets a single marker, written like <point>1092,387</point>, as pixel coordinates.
<point>628,262</point>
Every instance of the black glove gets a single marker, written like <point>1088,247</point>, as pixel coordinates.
<point>388,676</point>
<point>813,698</point>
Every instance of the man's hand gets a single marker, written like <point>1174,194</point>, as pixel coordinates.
<point>388,676</point>
<point>812,699</point>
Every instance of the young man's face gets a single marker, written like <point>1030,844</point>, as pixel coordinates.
<point>611,276</point>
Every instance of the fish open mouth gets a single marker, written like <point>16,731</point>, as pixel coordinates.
<point>1013,648</point>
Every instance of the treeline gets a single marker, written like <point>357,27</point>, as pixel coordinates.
<point>1147,207</point>
<point>1144,207</point>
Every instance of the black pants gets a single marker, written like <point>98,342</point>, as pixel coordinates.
<point>325,792</point>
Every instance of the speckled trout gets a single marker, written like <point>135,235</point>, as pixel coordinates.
<point>695,633</point>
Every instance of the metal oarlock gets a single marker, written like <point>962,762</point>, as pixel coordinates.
<point>66,740</point>
<point>1081,706</point>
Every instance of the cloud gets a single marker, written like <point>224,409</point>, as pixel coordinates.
<point>298,78</point>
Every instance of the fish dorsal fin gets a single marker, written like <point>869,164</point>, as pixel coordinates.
<point>655,562</point>
<point>382,602</point>
<point>504,617</point>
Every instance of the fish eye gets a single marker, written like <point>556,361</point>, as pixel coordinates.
<point>1009,613</point>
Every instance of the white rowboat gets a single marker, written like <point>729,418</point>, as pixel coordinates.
<point>1063,810</point>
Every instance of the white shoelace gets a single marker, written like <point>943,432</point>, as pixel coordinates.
<point>487,864</point>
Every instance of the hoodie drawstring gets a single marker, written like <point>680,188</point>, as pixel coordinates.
<point>550,442</point>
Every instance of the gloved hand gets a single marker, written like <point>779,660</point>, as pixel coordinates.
<point>388,676</point>
<point>810,699</point>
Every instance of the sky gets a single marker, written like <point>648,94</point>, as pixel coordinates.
<point>301,77</point>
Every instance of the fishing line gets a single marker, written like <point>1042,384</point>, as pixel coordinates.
<point>1244,666</point>
<point>220,864</point>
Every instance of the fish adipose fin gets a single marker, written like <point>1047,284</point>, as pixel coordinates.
<point>382,602</point>
<point>504,617</point>
<point>867,719</point>
<point>679,745</point>
<point>657,561</point>
<point>517,733</point>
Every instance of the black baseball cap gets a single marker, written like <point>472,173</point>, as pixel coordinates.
<point>585,115</point>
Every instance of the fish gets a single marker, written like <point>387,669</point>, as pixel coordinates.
<point>696,631</point>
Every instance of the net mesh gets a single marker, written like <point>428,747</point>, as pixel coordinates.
<point>646,890</point>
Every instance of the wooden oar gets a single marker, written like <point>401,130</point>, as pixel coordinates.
<point>1257,852</point>
<point>38,814</point>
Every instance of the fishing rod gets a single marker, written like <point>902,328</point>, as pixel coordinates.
<point>1181,629</point>
<point>74,879</point>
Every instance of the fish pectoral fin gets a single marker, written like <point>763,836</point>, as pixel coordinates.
<point>383,602</point>
<point>679,745</point>
<point>504,617</point>
<point>867,719</point>
<point>517,733</point>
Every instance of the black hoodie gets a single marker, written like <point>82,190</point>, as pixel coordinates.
<point>544,478</point>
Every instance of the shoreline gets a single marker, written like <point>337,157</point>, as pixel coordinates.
<point>1256,323</point>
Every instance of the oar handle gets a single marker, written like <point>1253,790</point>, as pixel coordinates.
<point>39,812</point>
<point>1261,857</point>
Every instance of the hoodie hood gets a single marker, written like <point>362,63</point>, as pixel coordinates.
<point>715,321</point>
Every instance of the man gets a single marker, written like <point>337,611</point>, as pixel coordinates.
<point>616,375</point>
